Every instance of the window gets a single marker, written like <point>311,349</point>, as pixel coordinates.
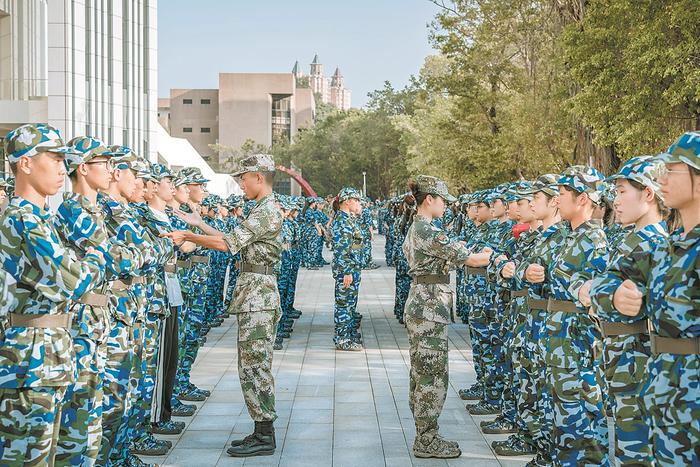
<point>186,101</point>
<point>205,130</point>
<point>187,130</point>
<point>281,118</point>
<point>205,101</point>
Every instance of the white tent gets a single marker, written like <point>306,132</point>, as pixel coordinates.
<point>178,153</point>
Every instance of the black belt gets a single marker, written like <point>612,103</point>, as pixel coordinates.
<point>258,269</point>
<point>621,329</point>
<point>432,279</point>
<point>675,345</point>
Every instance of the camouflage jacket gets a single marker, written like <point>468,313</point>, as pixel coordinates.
<point>155,226</point>
<point>630,260</point>
<point>128,305</point>
<point>80,224</point>
<point>184,274</point>
<point>258,240</point>
<point>503,243</point>
<point>673,286</point>
<point>48,276</point>
<point>573,339</point>
<point>347,244</point>
<point>518,252</point>
<point>365,221</point>
<point>200,271</point>
<point>429,250</point>
<point>543,251</point>
<point>7,292</point>
<point>616,234</point>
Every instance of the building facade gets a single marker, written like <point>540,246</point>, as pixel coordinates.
<point>330,90</point>
<point>88,67</point>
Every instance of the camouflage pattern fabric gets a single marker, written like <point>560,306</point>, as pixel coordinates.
<point>429,250</point>
<point>257,304</point>
<point>572,345</point>
<point>670,394</point>
<point>625,357</point>
<point>347,260</point>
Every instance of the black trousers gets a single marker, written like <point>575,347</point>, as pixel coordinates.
<point>167,368</point>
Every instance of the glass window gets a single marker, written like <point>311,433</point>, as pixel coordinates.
<point>205,130</point>
<point>205,101</point>
<point>186,101</point>
<point>187,130</point>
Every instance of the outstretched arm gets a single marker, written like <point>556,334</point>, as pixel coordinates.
<point>213,242</point>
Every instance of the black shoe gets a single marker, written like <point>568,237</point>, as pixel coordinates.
<point>401,320</point>
<point>260,443</point>
<point>278,344</point>
<point>283,335</point>
<point>184,410</point>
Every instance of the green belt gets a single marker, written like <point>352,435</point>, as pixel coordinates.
<point>518,293</point>
<point>432,279</point>
<point>620,329</point>
<point>675,345</point>
<point>476,271</point>
<point>258,269</point>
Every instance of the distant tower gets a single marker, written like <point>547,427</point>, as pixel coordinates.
<point>297,71</point>
<point>340,97</point>
<point>317,81</point>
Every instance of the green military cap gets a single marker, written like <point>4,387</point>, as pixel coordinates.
<point>255,163</point>
<point>194,175</point>
<point>32,139</point>
<point>179,179</point>
<point>686,150</point>
<point>86,149</point>
<point>348,193</point>
<point>434,186</point>
<point>523,190</point>
<point>583,179</point>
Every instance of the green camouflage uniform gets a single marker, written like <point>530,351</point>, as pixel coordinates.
<point>430,254</point>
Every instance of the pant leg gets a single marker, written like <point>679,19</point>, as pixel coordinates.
<point>256,334</point>
<point>579,436</point>
<point>29,424</point>
<point>169,361</point>
<point>80,433</point>
<point>344,300</point>
<point>116,400</point>
<point>429,373</point>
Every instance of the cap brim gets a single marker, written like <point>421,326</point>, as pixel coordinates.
<point>59,150</point>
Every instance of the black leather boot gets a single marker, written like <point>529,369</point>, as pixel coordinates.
<point>260,443</point>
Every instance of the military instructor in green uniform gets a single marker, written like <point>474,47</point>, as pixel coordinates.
<point>256,302</point>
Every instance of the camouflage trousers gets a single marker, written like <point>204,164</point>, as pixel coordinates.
<point>214,305</point>
<point>139,417</point>
<point>580,432</point>
<point>231,286</point>
<point>478,336</point>
<point>119,361</point>
<point>256,334</point>
<point>625,360</point>
<point>366,249</point>
<point>389,249</point>
<point>128,422</point>
<point>192,325</point>
<point>29,425</point>
<point>345,306</point>
<point>403,286</point>
<point>80,434</point>
<point>671,406</point>
<point>317,249</point>
<point>294,274</point>
<point>460,300</point>
<point>180,378</point>
<point>429,373</point>
<point>514,342</point>
<point>493,355</point>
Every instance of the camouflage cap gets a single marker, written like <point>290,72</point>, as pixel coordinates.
<point>547,183</point>
<point>86,149</point>
<point>32,139</point>
<point>348,193</point>
<point>583,179</point>
<point>123,157</point>
<point>255,163</point>
<point>194,175</point>
<point>143,170</point>
<point>3,183</point>
<point>686,150</point>
<point>608,192</point>
<point>179,179</point>
<point>642,169</point>
<point>434,186</point>
<point>160,171</point>
<point>523,190</point>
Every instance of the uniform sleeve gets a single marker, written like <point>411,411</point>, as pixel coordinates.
<point>442,246</point>
<point>252,229</point>
<point>57,274</point>
<point>593,260</point>
<point>342,247</point>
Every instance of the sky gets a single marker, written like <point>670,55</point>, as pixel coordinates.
<point>370,40</point>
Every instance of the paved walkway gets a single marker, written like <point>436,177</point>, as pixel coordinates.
<point>335,408</point>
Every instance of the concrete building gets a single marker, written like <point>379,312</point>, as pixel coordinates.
<point>84,66</point>
<point>261,107</point>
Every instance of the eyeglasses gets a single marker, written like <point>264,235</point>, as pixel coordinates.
<point>663,171</point>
